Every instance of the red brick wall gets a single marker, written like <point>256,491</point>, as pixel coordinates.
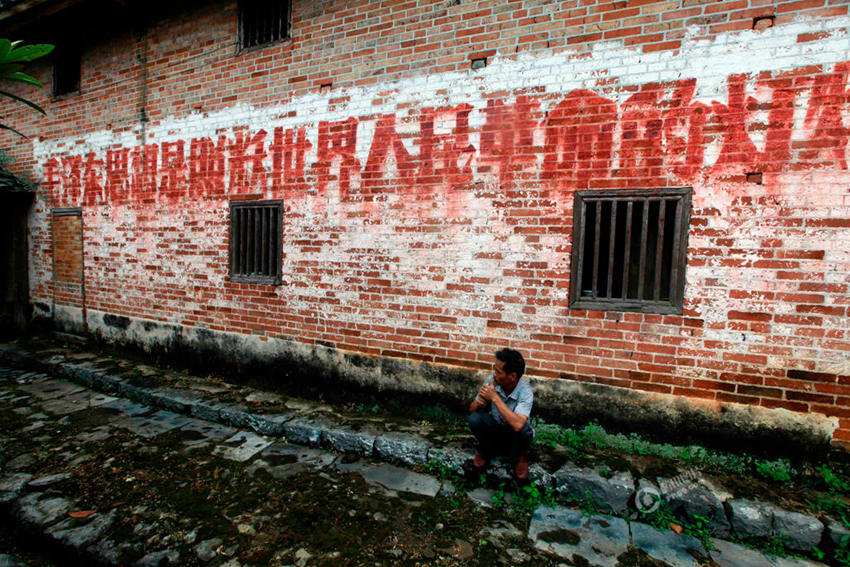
<point>428,206</point>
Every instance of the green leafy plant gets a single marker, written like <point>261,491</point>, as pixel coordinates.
<point>842,552</point>
<point>660,518</point>
<point>499,496</point>
<point>588,504</point>
<point>527,498</point>
<point>10,181</point>
<point>14,58</point>
<point>777,471</point>
<point>776,546</point>
<point>833,483</point>
<point>700,530</point>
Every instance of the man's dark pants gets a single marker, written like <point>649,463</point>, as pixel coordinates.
<point>496,439</point>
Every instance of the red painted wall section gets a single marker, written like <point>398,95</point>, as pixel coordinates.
<point>428,206</point>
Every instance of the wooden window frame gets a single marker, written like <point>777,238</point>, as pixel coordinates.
<point>620,296</point>
<point>256,246</point>
<point>252,12</point>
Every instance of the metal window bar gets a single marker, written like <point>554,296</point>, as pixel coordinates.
<point>642,248</point>
<point>609,288</point>
<point>627,249</point>
<point>659,250</point>
<point>675,254</point>
<point>273,243</point>
<point>593,287</point>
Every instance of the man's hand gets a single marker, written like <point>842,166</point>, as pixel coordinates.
<point>487,392</point>
<point>482,399</point>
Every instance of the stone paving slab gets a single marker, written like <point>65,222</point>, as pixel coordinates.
<point>570,534</point>
<point>49,389</point>
<point>96,434</point>
<point>14,482</point>
<point>39,510</point>
<point>401,480</point>
<point>793,562</point>
<point>482,496</point>
<point>282,460</point>
<point>728,554</point>
<point>205,432</point>
<point>156,424</point>
<point>75,402</point>
<point>76,534</point>
<point>128,407</point>
<point>31,378</point>
<point>241,446</point>
<point>680,550</point>
<point>296,453</point>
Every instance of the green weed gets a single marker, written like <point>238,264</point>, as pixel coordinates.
<point>659,518</point>
<point>833,483</point>
<point>776,546</point>
<point>777,471</point>
<point>700,530</point>
<point>527,498</point>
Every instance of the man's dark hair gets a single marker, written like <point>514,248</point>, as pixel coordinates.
<point>514,362</point>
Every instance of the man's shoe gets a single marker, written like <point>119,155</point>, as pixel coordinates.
<point>521,468</point>
<point>479,462</point>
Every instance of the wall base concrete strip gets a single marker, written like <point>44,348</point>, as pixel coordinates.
<point>305,431</point>
<point>403,447</point>
<point>269,424</point>
<point>347,441</point>
<point>453,458</point>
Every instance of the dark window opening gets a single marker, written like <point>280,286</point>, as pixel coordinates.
<point>255,241</point>
<point>629,250</point>
<point>66,70</point>
<point>263,21</point>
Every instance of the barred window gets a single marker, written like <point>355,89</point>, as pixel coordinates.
<point>263,21</point>
<point>255,241</point>
<point>67,67</point>
<point>629,250</point>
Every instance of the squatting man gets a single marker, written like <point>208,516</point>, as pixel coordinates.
<point>498,416</point>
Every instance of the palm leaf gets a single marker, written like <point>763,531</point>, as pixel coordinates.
<point>5,48</point>
<point>7,69</point>
<point>4,127</point>
<point>28,52</point>
<point>23,100</point>
<point>24,78</point>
